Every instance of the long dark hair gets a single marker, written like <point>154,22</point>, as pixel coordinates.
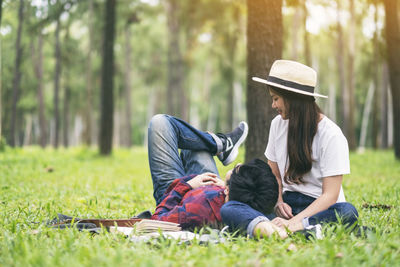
<point>303,114</point>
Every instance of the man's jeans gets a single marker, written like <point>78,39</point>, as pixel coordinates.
<point>166,135</point>
<point>240,216</point>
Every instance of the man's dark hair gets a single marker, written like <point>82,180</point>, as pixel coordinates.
<point>254,184</point>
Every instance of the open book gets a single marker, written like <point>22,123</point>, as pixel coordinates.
<point>148,226</point>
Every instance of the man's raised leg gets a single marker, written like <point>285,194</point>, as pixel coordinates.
<point>167,134</point>
<point>197,162</point>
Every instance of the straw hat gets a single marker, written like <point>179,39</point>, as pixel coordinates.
<point>292,76</point>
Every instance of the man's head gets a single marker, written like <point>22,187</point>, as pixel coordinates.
<point>254,184</point>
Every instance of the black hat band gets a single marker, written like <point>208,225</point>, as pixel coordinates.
<point>290,84</point>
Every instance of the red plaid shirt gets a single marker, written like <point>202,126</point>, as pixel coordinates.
<point>190,207</point>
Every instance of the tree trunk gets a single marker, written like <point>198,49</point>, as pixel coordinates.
<point>117,127</point>
<point>107,101</point>
<point>307,54</point>
<point>264,46</point>
<point>229,74</point>
<point>390,117</point>
<point>88,131</point>
<point>175,93</point>
<point>238,102</point>
<point>384,107</point>
<point>296,22</point>
<point>351,138</point>
<point>17,74</point>
<point>1,10</point>
<point>127,136</point>
<point>57,75</point>
<point>67,95</point>
<point>393,52</point>
<point>1,71</point>
<point>88,117</point>
<point>150,112</point>
<point>230,79</point>
<point>28,131</point>
<point>38,63</point>
<point>376,99</point>
<point>341,55</point>
<point>365,117</point>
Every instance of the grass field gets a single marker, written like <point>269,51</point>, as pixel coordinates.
<point>37,184</point>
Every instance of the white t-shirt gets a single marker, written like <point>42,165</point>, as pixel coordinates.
<point>330,154</point>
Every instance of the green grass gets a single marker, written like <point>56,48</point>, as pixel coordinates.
<point>37,184</point>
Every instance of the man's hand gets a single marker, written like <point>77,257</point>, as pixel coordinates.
<point>204,179</point>
<point>283,210</point>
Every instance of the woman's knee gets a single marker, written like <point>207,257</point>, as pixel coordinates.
<point>347,212</point>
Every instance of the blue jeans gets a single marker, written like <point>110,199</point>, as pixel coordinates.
<point>240,216</point>
<point>166,135</point>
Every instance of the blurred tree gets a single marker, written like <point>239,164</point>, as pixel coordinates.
<point>17,75</point>
<point>393,54</point>
<point>346,83</point>
<point>175,90</point>
<point>67,88</point>
<point>230,38</point>
<point>296,24</point>
<point>226,17</point>
<point>57,75</point>
<point>127,125</point>
<point>351,133</point>
<point>375,79</point>
<point>264,46</point>
<point>88,117</point>
<point>37,59</point>
<point>307,54</point>
<point>1,99</point>
<point>1,9</point>
<point>107,100</point>
<point>385,108</point>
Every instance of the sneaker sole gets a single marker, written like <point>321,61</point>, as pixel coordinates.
<point>235,149</point>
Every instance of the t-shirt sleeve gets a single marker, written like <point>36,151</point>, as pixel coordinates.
<point>270,150</point>
<point>335,156</point>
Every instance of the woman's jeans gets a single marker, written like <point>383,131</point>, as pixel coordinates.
<point>240,216</point>
<point>166,135</point>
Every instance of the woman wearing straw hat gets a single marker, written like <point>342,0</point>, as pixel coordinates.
<point>308,154</point>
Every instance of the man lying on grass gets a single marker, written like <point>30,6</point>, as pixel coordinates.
<point>195,199</point>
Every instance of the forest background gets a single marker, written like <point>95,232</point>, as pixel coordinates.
<point>93,72</point>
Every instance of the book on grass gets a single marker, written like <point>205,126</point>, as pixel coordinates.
<point>148,226</point>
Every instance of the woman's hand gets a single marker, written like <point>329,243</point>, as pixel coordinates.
<point>266,229</point>
<point>292,225</point>
<point>280,222</point>
<point>204,179</point>
<point>283,210</point>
